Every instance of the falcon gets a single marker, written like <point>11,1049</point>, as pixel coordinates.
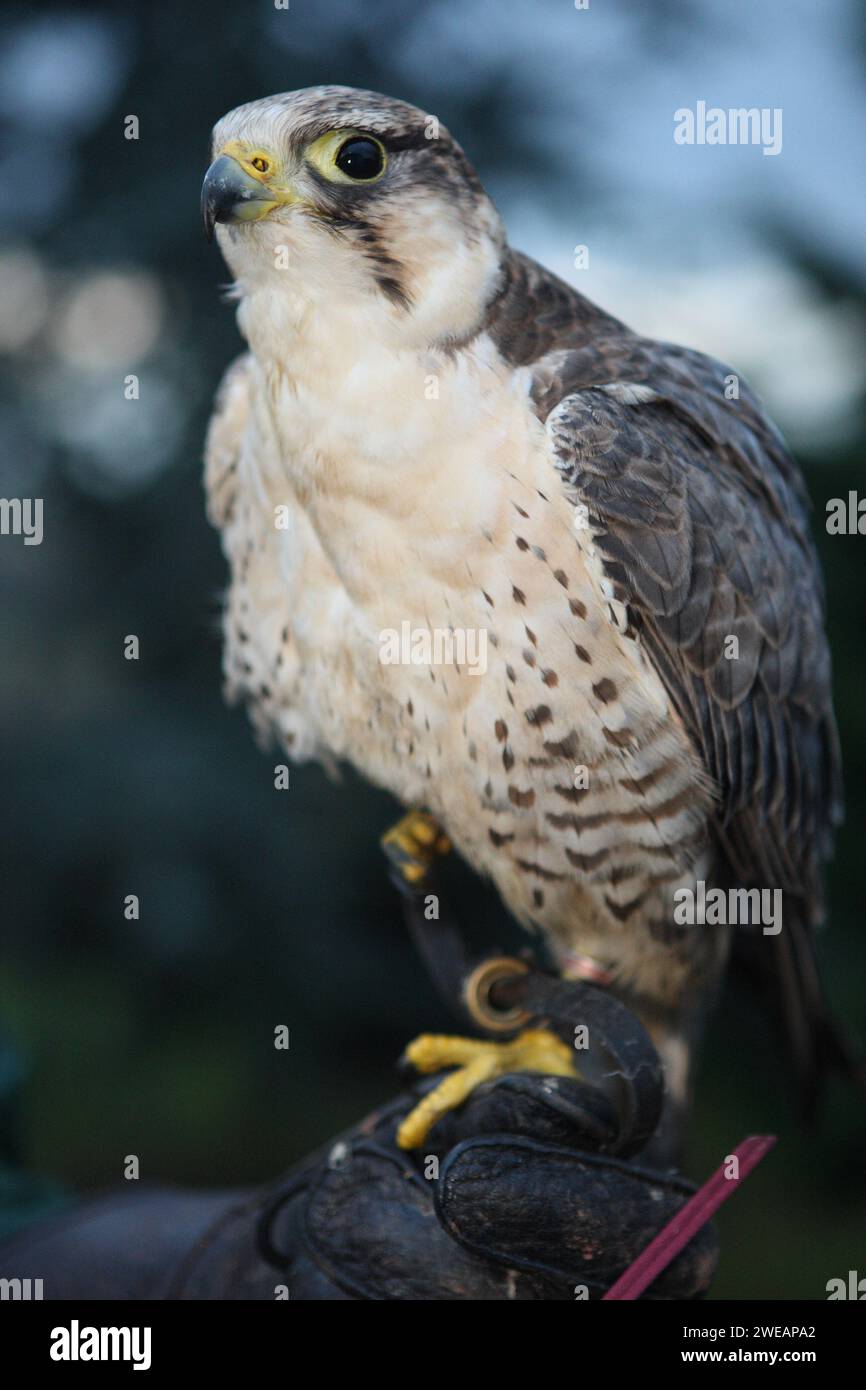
<point>430,433</point>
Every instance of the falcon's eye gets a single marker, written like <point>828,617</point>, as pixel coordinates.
<point>259,162</point>
<point>361,158</point>
<point>347,156</point>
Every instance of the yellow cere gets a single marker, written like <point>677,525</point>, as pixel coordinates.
<point>259,163</point>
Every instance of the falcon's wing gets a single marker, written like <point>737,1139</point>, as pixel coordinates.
<point>700,518</point>
<point>707,544</point>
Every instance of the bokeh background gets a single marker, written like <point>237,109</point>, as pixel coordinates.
<point>261,907</point>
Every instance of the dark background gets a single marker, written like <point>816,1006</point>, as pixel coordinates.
<point>261,907</point>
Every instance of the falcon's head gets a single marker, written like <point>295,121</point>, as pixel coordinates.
<point>330,192</point>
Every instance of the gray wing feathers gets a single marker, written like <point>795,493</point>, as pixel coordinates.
<point>701,520</point>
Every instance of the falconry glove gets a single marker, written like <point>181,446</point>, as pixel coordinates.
<point>514,1197</point>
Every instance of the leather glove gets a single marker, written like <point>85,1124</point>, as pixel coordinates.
<point>513,1197</point>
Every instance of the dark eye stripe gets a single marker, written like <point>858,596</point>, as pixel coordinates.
<point>414,140</point>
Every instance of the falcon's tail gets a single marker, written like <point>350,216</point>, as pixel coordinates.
<point>816,1043</point>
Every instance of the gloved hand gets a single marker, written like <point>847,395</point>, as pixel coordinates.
<point>512,1197</point>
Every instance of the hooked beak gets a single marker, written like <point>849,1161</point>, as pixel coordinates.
<point>230,194</point>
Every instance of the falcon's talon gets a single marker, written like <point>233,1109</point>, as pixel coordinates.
<point>477,1061</point>
<point>412,846</point>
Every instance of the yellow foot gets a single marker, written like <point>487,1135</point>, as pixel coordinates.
<point>535,1049</point>
<point>413,844</point>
